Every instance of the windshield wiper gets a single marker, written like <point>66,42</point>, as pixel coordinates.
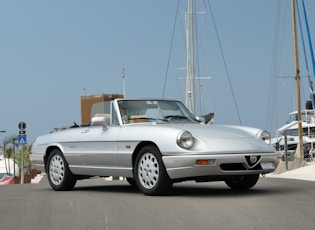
<point>147,119</point>
<point>175,117</point>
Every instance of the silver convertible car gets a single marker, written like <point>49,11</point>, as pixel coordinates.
<point>154,143</point>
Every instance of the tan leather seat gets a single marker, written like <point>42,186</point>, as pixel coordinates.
<point>138,118</point>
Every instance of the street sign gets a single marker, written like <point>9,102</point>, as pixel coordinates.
<point>22,140</point>
<point>22,125</point>
<point>22,132</point>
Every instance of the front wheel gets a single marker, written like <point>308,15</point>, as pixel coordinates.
<point>242,182</point>
<point>150,173</point>
<point>59,176</point>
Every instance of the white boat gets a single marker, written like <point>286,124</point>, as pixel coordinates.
<point>290,130</point>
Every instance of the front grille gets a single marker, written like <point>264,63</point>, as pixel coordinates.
<point>238,167</point>
<point>252,162</point>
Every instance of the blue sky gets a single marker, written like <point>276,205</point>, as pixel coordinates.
<point>53,52</point>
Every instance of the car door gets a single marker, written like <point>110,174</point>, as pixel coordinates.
<point>97,147</point>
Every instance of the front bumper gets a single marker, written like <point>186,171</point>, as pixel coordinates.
<point>180,167</point>
<point>37,161</point>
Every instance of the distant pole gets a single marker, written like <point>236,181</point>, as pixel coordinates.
<point>286,152</point>
<point>13,147</point>
<point>190,64</point>
<point>123,78</point>
<point>22,165</point>
<point>297,81</point>
<point>22,141</point>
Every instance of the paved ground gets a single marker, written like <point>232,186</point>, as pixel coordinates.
<point>306,172</point>
<point>97,204</point>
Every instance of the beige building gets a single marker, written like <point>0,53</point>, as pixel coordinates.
<point>87,103</point>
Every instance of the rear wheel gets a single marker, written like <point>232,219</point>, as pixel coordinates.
<point>59,176</point>
<point>242,182</point>
<point>150,173</point>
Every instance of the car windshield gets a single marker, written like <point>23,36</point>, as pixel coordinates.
<point>135,111</point>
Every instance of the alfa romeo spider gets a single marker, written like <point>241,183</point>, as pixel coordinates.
<point>153,143</point>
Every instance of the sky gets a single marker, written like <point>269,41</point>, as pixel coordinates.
<point>53,52</point>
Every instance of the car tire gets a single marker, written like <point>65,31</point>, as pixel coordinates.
<point>59,176</point>
<point>242,182</point>
<point>150,173</point>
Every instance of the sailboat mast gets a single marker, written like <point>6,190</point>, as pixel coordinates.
<point>297,80</point>
<point>190,59</point>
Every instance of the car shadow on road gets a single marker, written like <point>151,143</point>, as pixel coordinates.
<point>192,189</point>
<point>108,188</point>
<point>182,190</point>
<point>210,191</point>
<point>265,186</point>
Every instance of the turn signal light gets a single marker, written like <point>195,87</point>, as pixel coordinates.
<point>205,162</point>
<point>202,162</point>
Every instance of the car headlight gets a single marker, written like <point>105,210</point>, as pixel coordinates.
<point>265,136</point>
<point>185,140</point>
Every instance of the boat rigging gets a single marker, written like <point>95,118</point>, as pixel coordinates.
<point>192,99</point>
<point>297,137</point>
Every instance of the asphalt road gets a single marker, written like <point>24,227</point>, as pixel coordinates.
<point>98,204</point>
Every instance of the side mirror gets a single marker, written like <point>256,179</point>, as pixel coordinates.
<point>99,121</point>
<point>201,120</point>
<point>207,119</point>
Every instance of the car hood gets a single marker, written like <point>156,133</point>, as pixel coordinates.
<point>217,131</point>
<point>225,139</point>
